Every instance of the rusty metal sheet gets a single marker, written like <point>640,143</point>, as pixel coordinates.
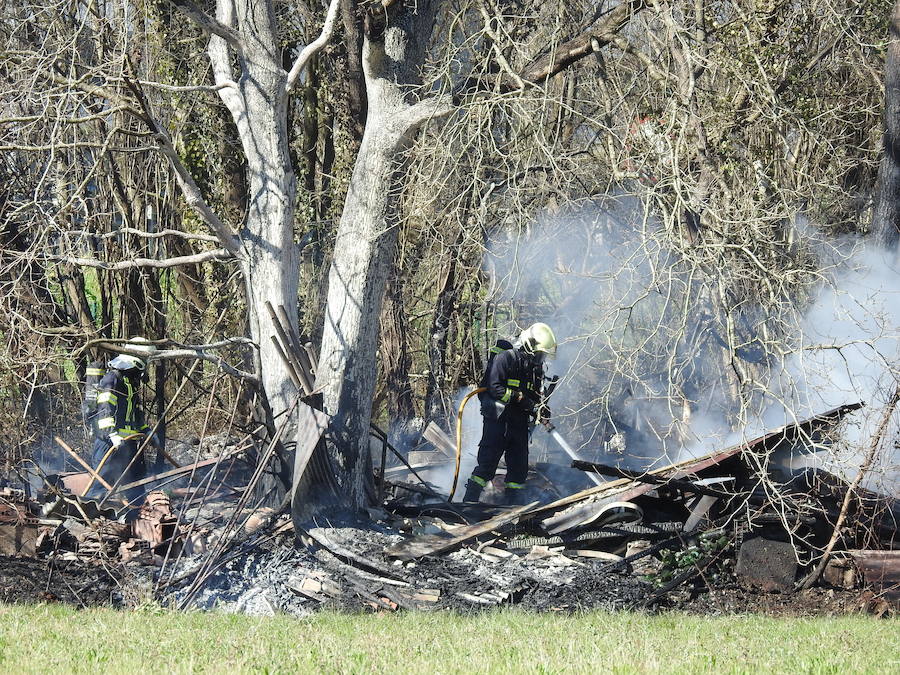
<point>76,483</point>
<point>440,440</point>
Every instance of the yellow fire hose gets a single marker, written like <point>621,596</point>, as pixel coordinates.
<point>459,416</point>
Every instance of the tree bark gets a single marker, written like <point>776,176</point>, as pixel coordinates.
<point>367,237</point>
<point>886,218</point>
<point>268,256</point>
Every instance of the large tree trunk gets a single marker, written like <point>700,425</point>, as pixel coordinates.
<point>366,241</point>
<point>269,259</point>
<point>886,219</point>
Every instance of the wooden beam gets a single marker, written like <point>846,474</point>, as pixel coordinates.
<point>642,477</point>
<point>174,472</point>
<point>312,425</point>
<point>87,467</point>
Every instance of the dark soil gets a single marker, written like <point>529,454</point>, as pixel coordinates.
<point>812,602</point>
<point>30,580</point>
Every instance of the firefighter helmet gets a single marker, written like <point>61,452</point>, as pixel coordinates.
<point>129,361</point>
<point>538,338</point>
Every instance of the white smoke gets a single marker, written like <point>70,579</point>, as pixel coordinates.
<point>609,287</point>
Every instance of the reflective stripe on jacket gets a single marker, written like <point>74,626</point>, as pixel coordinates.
<point>510,372</point>
<point>119,412</point>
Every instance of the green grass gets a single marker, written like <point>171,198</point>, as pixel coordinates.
<point>55,638</point>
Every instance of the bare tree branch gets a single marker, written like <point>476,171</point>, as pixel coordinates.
<point>186,182</point>
<point>434,107</point>
<point>217,254</point>
<point>149,235</point>
<point>120,345</point>
<point>581,46</point>
<point>208,23</point>
<point>171,354</point>
<point>199,87</point>
<point>313,47</point>
<point>220,60</point>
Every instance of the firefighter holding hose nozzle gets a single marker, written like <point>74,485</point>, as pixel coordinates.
<point>512,383</point>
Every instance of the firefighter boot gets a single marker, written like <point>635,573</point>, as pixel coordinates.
<point>514,494</point>
<point>473,489</point>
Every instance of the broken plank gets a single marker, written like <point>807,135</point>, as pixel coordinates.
<point>431,544</point>
<point>400,470</point>
<point>97,477</point>
<point>311,424</point>
<point>698,513</point>
<point>478,599</point>
<point>320,538</point>
<point>591,553</point>
<point>307,589</point>
<point>644,477</point>
<point>881,571</point>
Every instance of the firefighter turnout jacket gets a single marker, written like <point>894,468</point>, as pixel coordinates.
<point>513,381</point>
<point>119,413</point>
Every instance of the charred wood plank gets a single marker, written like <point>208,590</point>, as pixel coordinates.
<point>174,472</point>
<point>880,570</point>
<point>312,424</point>
<point>339,551</point>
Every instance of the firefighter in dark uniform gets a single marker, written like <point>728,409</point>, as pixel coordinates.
<point>120,422</point>
<point>513,383</point>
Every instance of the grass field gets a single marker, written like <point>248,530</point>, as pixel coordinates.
<point>53,638</point>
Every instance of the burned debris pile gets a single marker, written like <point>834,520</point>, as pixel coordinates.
<point>55,535</point>
<point>713,532</point>
<point>707,532</point>
<point>748,517</point>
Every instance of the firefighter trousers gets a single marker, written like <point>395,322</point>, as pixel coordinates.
<point>505,436</point>
<point>116,465</point>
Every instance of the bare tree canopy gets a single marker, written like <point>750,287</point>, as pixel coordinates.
<point>673,185</point>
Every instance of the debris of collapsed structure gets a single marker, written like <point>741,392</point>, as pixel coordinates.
<point>639,540</point>
<point>716,519</point>
<point>653,539</point>
<point>82,530</point>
